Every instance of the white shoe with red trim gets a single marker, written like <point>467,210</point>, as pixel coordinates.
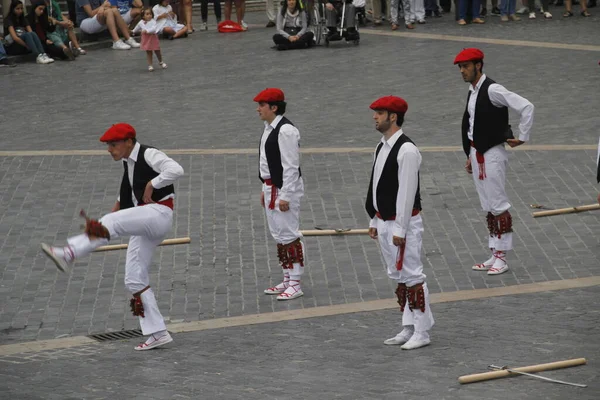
<point>500,265</point>
<point>277,289</point>
<point>154,342</point>
<point>486,265</point>
<point>293,291</point>
<point>58,256</point>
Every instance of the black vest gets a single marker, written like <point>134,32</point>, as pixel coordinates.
<point>387,187</point>
<point>142,174</point>
<point>490,124</point>
<point>274,155</point>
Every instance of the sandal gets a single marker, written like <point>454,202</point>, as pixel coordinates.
<point>567,14</point>
<point>585,14</point>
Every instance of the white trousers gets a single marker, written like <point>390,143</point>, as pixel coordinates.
<point>414,10</point>
<point>491,191</point>
<point>285,226</point>
<point>147,225</point>
<point>272,9</point>
<point>412,267</point>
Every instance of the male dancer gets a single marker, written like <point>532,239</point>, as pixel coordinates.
<point>143,211</point>
<point>485,129</point>
<point>394,205</point>
<point>283,187</point>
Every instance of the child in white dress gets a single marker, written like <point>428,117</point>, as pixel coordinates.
<point>166,21</point>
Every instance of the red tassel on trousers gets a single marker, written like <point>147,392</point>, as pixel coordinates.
<point>273,197</point>
<point>400,257</point>
<point>481,163</point>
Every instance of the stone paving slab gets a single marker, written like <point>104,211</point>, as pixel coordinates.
<point>338,357</point>
<point>232,259</point>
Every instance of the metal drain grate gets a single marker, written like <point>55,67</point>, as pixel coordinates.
<point>121,335</point>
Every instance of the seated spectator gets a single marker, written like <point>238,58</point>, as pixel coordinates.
<point>19,36</point>
<point>65,29</point>
<point>292,28</point>
<point>4,60</point>
<point>38,20</point>
<point>166,21</point>
<point>95,17</point>
<point>333,13</point>
<point>129,9</point>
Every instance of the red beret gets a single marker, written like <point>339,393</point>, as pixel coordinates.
<point>391,104</point>
<point>120,131</point>
<point>470,54</point>
<point>270,95</point>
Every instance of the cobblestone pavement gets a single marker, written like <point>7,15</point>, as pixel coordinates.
<point>338,357</point>
<point>204,101</point>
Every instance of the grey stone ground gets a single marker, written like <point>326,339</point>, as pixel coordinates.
<point>340,357</point>
<point>204,100</point>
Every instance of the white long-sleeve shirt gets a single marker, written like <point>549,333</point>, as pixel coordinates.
<point>168,169</point>
<point>409,162</point>
<point>149,26</point>
<point>289,148</point>
<point>502,97</point>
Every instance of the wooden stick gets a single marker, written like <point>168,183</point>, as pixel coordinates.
<point>532,368</point>
<point>327,232</point>
<point>569,210</point>
<point>166,242</point>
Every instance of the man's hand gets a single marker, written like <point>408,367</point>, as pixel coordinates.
<point>49,42</point>
<point>468,166</point>
<point>116,207</point>
<point>398,241</point>
<point>147,197</point>
<point>514,142</point>
<point>284,205</point>
<point>373,233</point>
<point>329,6</point>
<point>293,38</point>
<point>262,199</point>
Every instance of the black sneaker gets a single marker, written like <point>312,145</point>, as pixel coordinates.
<point>5,62</point>
<point>496,11</point>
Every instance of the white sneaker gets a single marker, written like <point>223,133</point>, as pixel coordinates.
<point>47,58</point>
<point>40,60</point>
<point>547,15</point>
<point>418,340</point>
<point>163,65</point>
<point>150,68</point>
<point>244,25</point>
<point>131,41</point>
<point>120,45</point>
<point>531,15</point>
<point>154,342</point>
<point>400,338</point>
<point>486,265</point>
<point>204,26</point>
<point>56,254</point>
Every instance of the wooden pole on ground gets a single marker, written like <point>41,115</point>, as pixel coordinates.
<point>486,376</point>
<point>569,210</point>
<point>328,232</point>
<point>166,242</point>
